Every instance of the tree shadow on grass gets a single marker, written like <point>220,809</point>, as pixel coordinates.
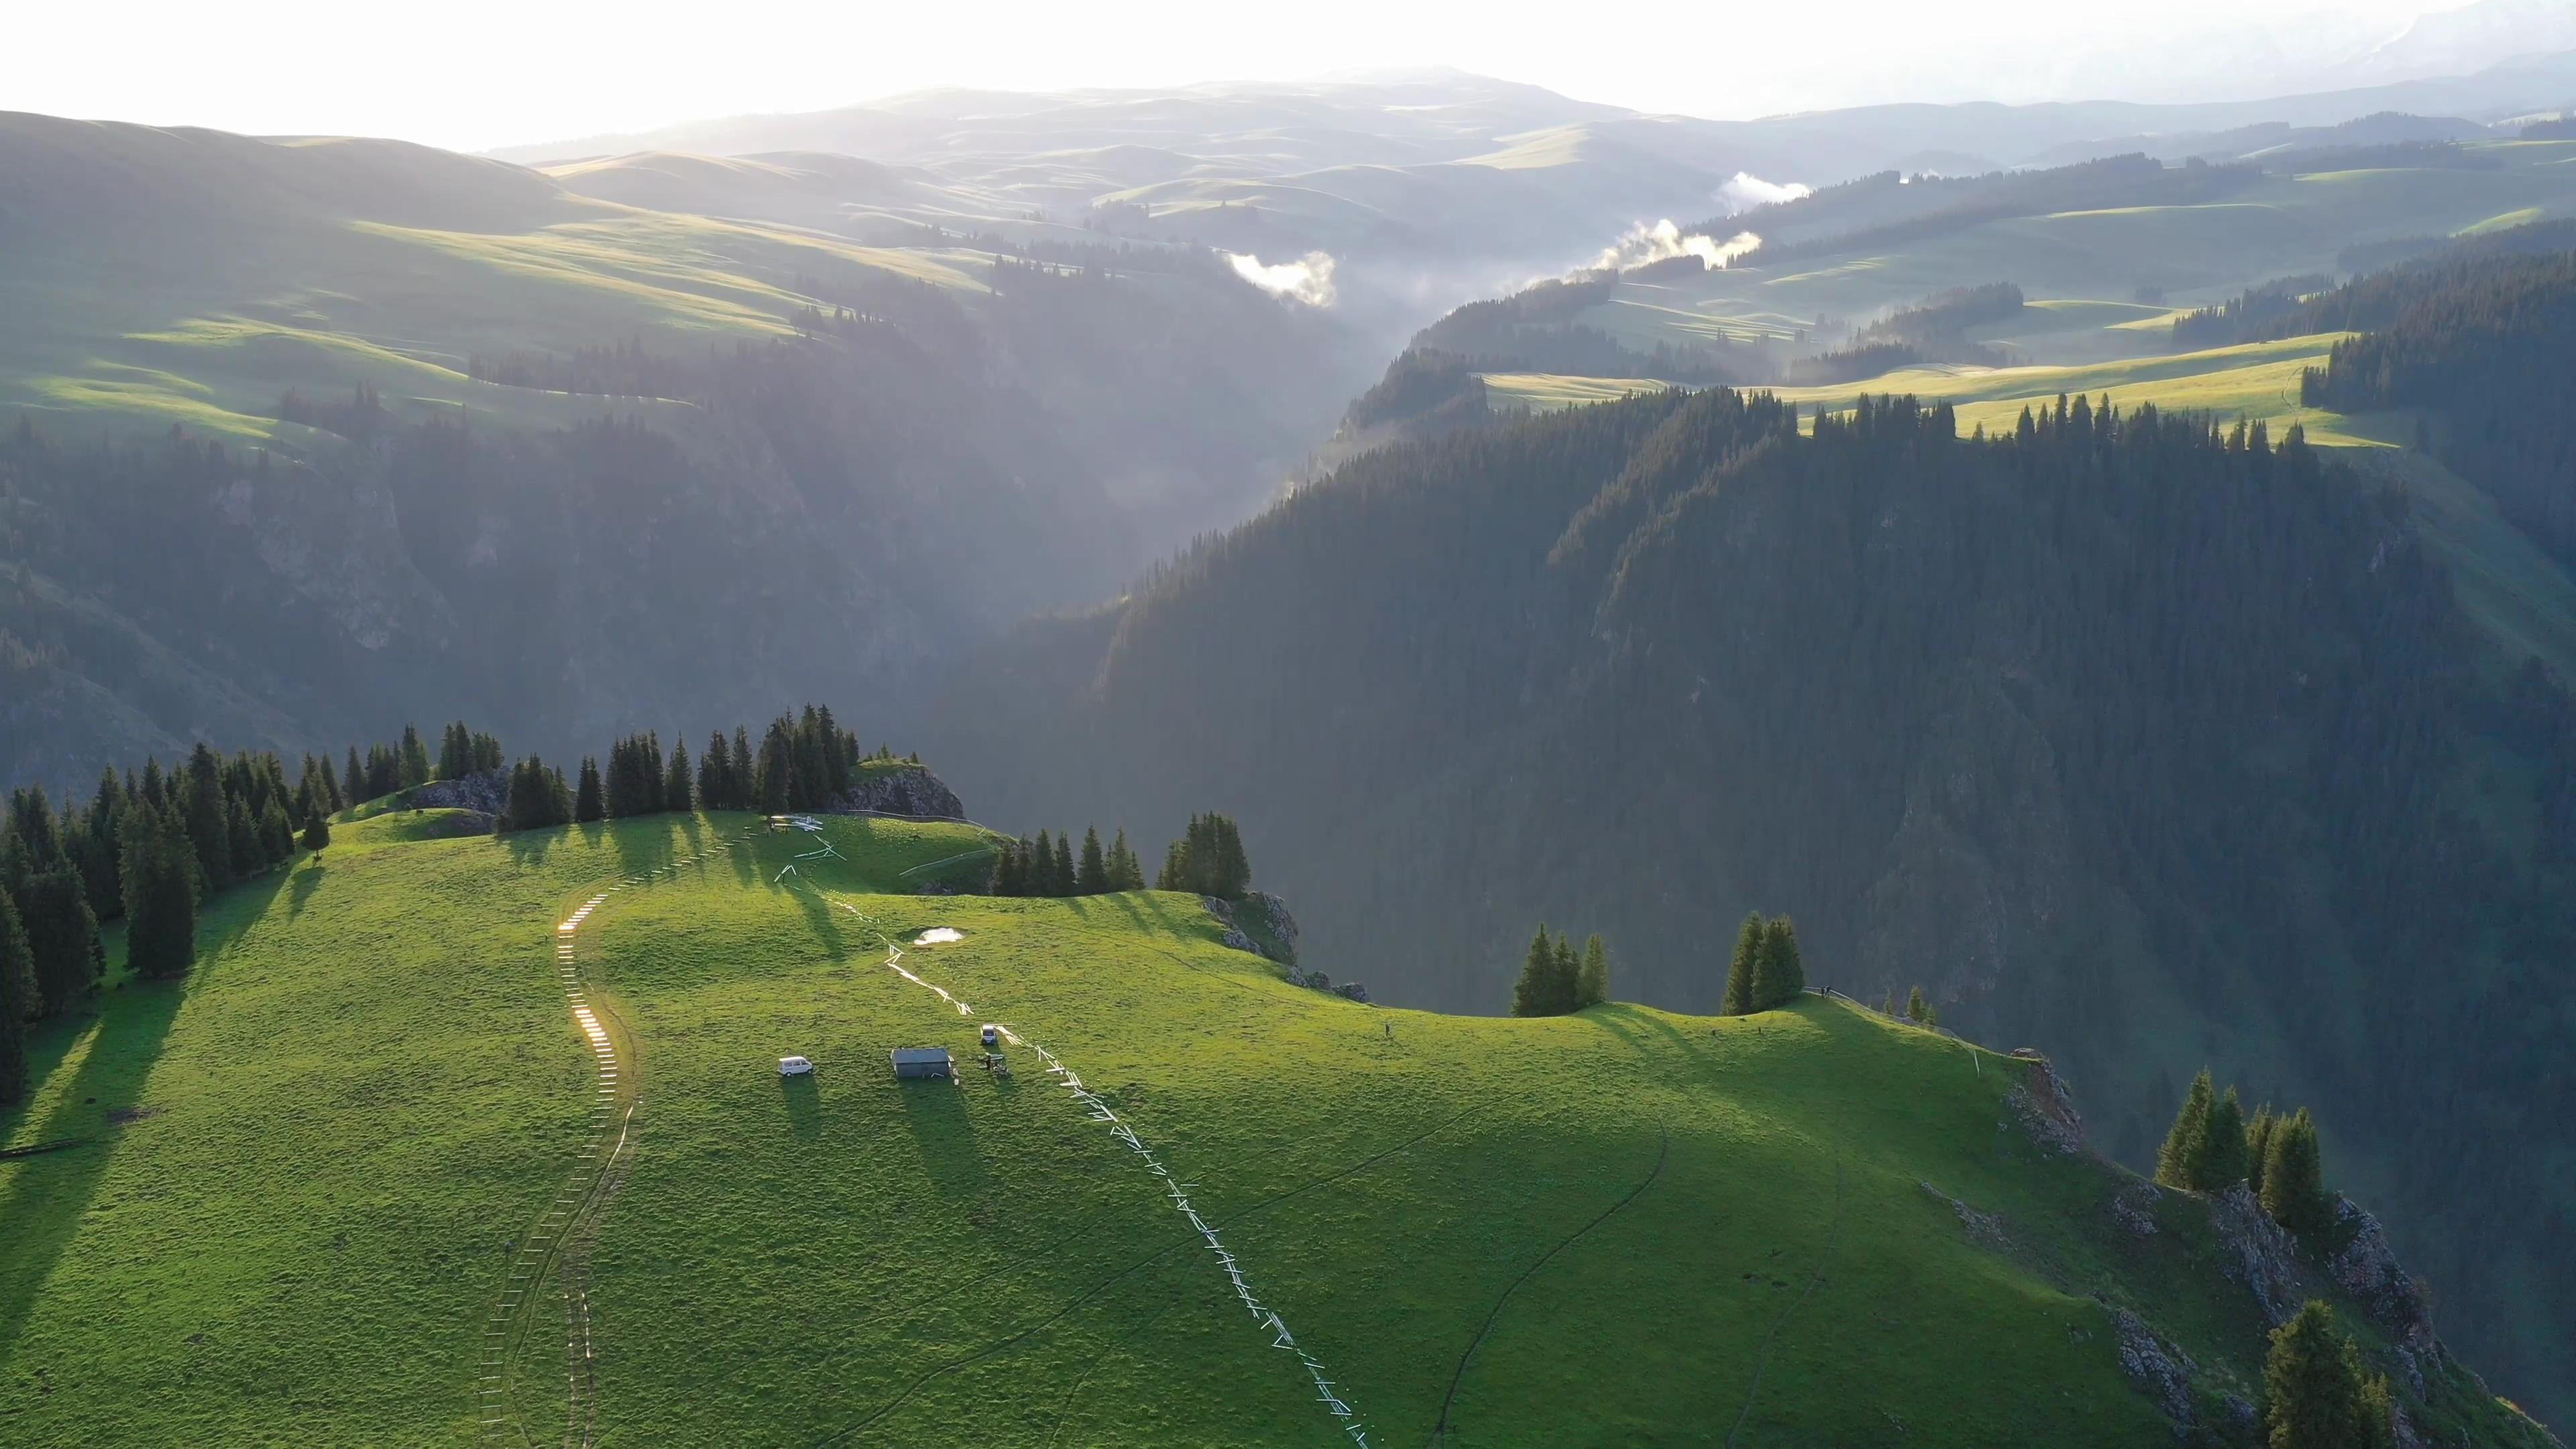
<point>42,1208</point>
<point>307,879</point>
<point>45,1199</point>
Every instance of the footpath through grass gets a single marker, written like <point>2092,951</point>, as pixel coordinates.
<point>307,1165</point>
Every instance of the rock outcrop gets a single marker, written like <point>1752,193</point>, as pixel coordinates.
<point>908,790</point>
<point>2161,1371</point>
<point>2045,1109</point>
<point>2257,1252</point>
<point>484,793</point>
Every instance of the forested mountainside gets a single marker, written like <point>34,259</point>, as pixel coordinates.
<point>298,440</point>
<point>2131,740</point>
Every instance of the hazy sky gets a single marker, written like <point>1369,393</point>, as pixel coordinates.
<point>470,74</point>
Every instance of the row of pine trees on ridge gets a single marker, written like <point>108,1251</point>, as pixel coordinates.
<point>150,846</point>
<point>1208,859</point>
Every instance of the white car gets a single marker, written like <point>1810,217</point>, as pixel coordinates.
<point>794,1067</point>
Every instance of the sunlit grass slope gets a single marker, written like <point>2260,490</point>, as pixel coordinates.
<point>1619,1227</point>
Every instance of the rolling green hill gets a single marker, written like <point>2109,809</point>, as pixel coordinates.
<point>307,1181</point>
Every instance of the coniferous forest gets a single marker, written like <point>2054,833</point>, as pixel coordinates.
<point>2114,720</point>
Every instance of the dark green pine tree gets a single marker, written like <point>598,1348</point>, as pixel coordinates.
<point>2178,1163</point>
<point>1593,986</point>
<point>2258,1143</point>
<point>773,785</point>
<point>715,792</point>
<point>2294,1177</point>
<point>1739,970</point>
<point>1779,975</point>
<point>353,783</point>
<point>61,933</point>
<point>676,791</point>
<point>276,832</point>
<point>17,1002</point>
<point>1007,869</point>
<point>2312,1395</point>
<point>201,793</point>
<point>2222,1158</point>
<point>411,764</point>
<point>1174,874</point>
<point>317,833</point>
<point>250,853</point>
<point>1565,980</point>
<point>1125,874</point>
<point>1091,877</point>
<point>1917,1007</point>
<point>1534,992</point>
<point>159,871</point>
<point>1061,877</point>
<point>1042,866</point>
<point>590,801</point>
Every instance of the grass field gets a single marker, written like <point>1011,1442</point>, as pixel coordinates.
<point>305,1170</point>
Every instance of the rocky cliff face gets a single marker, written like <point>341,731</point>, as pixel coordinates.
<point>908,790</point>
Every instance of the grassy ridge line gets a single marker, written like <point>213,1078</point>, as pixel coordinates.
<point>1101,1111</point>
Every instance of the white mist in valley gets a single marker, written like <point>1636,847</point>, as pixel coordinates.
<point>1309,279</point>
<point>1664,241</point>
<point>1747,191</point>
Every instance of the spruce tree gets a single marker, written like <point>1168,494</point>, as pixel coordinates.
<point>159,872</point>
<point>1739,971</point>
<point>1042,866</point>
<point>1091,877</point>
<point>1533,994</point>
<point>202,812</point>
<point>412,762</point>
<point>17,1003</point>
<point>2312,1396</point>
<point>1779,975</point>
<point>2178,1163</point>
<point>1917,1008</point>
<point>353,784</point>
<point>1593,986</point>
<point>1006,869</point>
<point>61,933</point>
<point>250,856</point>
<point>2294,1180</point>
<point>590,802</point>
<point>1125,874</point>
<point>1564,980</point>
<point>317,834</point>
<point>1061,878</point>
<point>2258,1143</point>
<point>712,794</point>
<point>2222,1157</point>
<point>676,791</point>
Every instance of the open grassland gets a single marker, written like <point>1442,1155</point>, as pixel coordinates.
<point>210,337</point>
<point>1548,391</point>
<point>2254,381</point>
<point>305,1169</point>
<point>2099,260</point>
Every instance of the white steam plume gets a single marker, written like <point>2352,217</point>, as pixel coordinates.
<point>1663,241</point>
<point>1748,191</point>
<point>1309,279</point>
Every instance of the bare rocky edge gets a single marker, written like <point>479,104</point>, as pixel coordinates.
<point>2228,1233</point>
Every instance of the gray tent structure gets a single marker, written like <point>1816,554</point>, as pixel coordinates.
<point>922,1062</point>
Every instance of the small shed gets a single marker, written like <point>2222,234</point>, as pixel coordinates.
<point>923,1062</point>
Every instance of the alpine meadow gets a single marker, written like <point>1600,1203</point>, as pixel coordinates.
<point>804,732</point>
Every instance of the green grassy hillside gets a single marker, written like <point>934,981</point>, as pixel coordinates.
<point>305,1177</point>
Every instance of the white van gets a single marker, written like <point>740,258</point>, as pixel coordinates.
<point>794,1066</point>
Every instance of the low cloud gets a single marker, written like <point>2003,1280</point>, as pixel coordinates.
<point>1309,279</point>
<point>1748,191</point>
<point>1664,241</point>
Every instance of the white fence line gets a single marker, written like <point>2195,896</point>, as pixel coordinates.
<point>1264,1317</point>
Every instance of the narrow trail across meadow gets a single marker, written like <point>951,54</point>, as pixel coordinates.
<point>553,1250</point>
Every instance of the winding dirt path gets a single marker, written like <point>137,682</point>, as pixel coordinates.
<point>551,1258</point>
